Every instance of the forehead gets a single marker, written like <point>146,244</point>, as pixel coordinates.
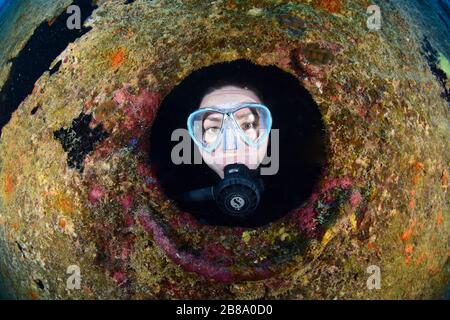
<point>224,97</point>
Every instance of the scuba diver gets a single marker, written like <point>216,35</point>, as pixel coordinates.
<point>256,137</point>
<point>231,129</point>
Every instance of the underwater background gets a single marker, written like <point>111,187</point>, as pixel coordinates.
<point>19,18</point>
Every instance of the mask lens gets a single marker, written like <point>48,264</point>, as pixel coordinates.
<point>207,126</point>
<point>251,122</point>
<point>254,123</point>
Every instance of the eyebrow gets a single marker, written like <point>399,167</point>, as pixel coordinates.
<point>250,112</point>
<point>245,115</point>
<point>213,118</point>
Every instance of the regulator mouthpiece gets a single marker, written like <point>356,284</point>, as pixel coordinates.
<point>237,195</point>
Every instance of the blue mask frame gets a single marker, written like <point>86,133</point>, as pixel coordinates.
<point>229,114</point>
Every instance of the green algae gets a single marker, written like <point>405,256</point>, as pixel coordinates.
<point>444,64</point>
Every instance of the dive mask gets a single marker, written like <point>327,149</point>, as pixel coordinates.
<point>208,127</point>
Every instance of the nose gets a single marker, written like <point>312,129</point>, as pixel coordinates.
<point>229,140</point>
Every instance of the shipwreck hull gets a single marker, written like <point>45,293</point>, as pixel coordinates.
<point>77,189</point>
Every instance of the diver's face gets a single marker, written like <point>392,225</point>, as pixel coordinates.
<point>237,151</point>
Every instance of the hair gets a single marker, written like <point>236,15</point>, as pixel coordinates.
<point>294,112</point>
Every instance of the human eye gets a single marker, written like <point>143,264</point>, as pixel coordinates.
<point>212,130</point>
<point>249,125</point>
<point>210,134</point>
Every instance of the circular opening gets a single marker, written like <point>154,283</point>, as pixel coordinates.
<point>294,160</point>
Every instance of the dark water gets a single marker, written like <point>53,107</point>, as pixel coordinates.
<point>447,292</point>
<point>3,6</point>
<point>8,8</point>
<point>428,18</point>
<point>4,295</point>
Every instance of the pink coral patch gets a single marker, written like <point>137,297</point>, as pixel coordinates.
<point>95,194</point>
<point>355,199</point>
<point>126,201</point>
<point>306,217</point>
<point>139,110</point>
<point>120,277</point>
<point>306,221</point>
<point>202,264</point>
